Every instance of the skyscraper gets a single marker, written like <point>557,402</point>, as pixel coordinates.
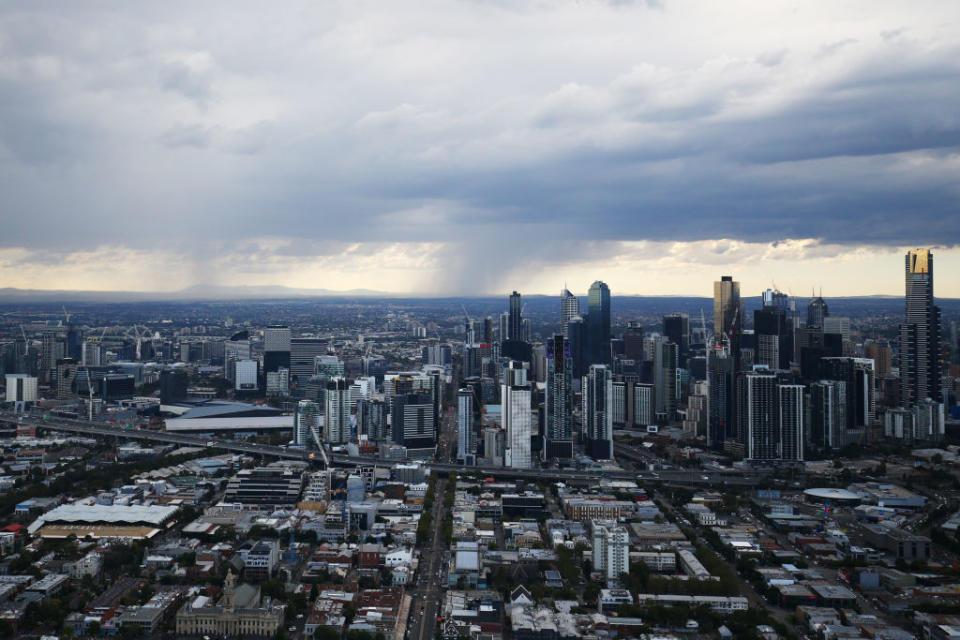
<point>721,380</point>
<point>920,366</point>
<point>569,309</point>
<point>306,424</point>
<point>559,400</point>
<point>726,311</point>
<point>515,319</point>
<point>676,327</point>
<point>597,412</point>
<point>336,427</point>
<point>598,323</point>
<point>828,414</point>
<point>517,423</point>
<point>817,311</point>
<point>773,331</point>
<point>772,417</point>
<point>466,446</point>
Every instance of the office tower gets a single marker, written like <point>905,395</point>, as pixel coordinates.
<point>611,549</point>
<point>303,352</point>
<point>859,377</point>
<point>676,327</point>
<point>245,375</point>
<point>504,326</point>
<point>839,325</point>
<point>173,386</point>
<point>721,378</point>
<point>828,414</point>
<point>276,348</point>
<point>597,397</point>
<point>487,330</point>
<point>920,366</point>
<point>817,312</point>
<point>465,438</point>
<point>569,309</point>
<point>336,414</point>
<point>21,390</point>
<point>413,420</point>
<point>559,400</point>
<point>774,336</point>
<point>306,425</point>
<point>726,311</point>
<point>515,318</point>
<point>576,338</point>
<point>66,375</point>
<point>598,323</point>
<point>882,357</point>
<point>517,423</point>
<point>633,342</point>
<point>791,410</point>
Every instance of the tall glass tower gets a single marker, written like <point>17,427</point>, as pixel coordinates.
<point>598,323</point>
<point>920,365</point>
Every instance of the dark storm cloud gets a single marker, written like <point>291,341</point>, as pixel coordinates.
<point>509,131</point>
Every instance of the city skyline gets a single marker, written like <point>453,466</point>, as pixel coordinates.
<point>650,144</point>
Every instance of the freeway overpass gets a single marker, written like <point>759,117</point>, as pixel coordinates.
<point>669,476</point>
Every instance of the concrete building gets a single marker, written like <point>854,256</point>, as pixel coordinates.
<point>611,549</point>
<point>239,612</point>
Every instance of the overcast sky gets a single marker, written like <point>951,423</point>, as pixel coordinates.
<point>477,147</point>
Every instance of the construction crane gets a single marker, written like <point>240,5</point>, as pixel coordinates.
<point>703,328</point>
<point>66,314</point>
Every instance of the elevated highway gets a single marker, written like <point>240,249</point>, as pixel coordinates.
<point>669,476</point>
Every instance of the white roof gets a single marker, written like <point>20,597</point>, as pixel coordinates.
<point>221,424</point>
<point>106,514</point>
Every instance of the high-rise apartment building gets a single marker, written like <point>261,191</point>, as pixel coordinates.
<point>517,422</point>
<point>828,414</point>
<point>597,398</point>
<point>306,424</point>
<point>336,414</point>
<point>721,380</point>
<point>920,348</point>
<point>466,446</point>
<point>611,549</point>
<point>559,400</point>
<point>772,417</point>
<point>598,323</point>
<point>413,418</point>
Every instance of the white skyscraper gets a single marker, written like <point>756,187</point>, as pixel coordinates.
<point>336,426</point>
<point>306,424</point>
<point>611,549</point>
<point>515,394</point>
<point>570,308</point>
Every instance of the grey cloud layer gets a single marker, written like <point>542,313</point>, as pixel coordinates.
<point>521,129</point>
